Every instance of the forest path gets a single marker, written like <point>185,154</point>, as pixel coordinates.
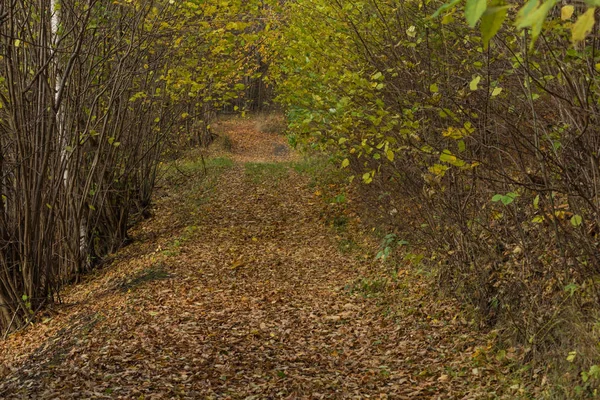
<point>237,289</point>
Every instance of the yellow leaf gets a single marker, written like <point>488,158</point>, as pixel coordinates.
<point>566,12</point>
<point>496,91</point>
<point>584,25</point>
<point>345,163</point>
<point>474,83</point>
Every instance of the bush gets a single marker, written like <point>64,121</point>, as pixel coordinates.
<point>487,155</point>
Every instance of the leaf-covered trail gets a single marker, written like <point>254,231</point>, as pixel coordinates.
<point>245,295</point>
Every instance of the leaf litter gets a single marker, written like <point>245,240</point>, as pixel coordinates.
<point>249,297</point>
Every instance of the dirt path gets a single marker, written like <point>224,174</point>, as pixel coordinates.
<point>246,295</point>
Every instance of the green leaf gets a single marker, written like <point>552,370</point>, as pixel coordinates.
<point>576,220</point>
<point>492,20</point>
<point>595,371</point>
<point>474,10</point>
<point>474,83</point>
<point>585,376</point>
<point>532,16</point>
<point>571,356</point>
<point>390,155</point>
<point>509,198</point>
<point>501,355</point>
<point>583,26</point>
<point>345,163</point>
<point>433,88</point>
<point>571,288</point>
<point>506,199</point>
<point>524,15</point>
<point>446,156</point>
<point>445,7</point>
<point>438,170</point>
<point>496,91</point>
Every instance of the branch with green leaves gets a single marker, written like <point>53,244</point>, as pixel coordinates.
<point>491,15</point>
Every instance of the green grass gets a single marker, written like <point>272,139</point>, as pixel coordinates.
<point>219,163</point>
<point>260,173</point>
<point>192,182</point>
<point>181,173</point>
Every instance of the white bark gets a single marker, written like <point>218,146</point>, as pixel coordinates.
<point>60,118</point>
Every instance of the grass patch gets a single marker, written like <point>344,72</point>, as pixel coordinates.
<point>182,172</point>
<point>191,182</point>
<point>259,173</point>
<point>219,163</point>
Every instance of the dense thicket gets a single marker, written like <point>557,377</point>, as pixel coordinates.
<point>484,158</point>
<point>77,157</point>
<point>90,93</point>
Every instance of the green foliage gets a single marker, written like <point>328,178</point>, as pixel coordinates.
<point>481,140</point>
<point>389,243</point>
<point>505,199</point>
<point>532,15</point>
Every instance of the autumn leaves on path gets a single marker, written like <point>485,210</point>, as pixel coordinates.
<point>238,288</point>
